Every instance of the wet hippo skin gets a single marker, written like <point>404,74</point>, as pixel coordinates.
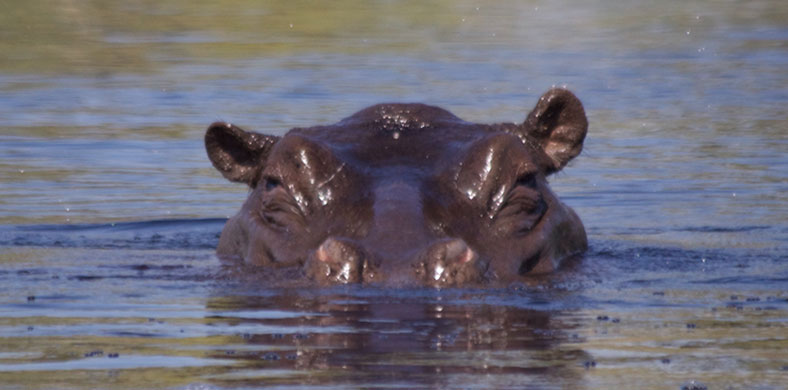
<point>404,194</point>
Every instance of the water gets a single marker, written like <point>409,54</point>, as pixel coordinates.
<point>109,208</point>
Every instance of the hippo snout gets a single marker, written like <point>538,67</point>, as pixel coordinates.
<point>450,262</point>
<point>447,262</point>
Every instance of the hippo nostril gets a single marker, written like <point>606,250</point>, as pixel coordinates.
<point>338,261</point>
<point>451,261</point>
<point>457,251</point>
<point>333,250</point>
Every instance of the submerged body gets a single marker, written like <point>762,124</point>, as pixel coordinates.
<point>406,194</point>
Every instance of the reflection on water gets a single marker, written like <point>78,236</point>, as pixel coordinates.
<point>109,209</point>
<point>394,341</point>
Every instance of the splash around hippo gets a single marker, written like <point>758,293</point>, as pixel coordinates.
<point>405,194</point>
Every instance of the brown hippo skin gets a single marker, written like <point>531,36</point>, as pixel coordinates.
<point>406,194</point>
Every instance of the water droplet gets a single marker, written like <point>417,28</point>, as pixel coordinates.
<point>693,385</point>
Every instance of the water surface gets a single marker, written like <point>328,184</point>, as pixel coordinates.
<point>110,210</point>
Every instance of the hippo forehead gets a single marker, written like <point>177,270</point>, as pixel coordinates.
<point>401,117</point>
<point>397,135</point>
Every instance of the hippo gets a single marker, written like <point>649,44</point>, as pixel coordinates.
<point>406,194</point>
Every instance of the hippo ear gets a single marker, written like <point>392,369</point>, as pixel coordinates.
<point>239,155</point>
<point>558,123</point>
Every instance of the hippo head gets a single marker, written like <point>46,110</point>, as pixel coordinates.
<point>405,194</point>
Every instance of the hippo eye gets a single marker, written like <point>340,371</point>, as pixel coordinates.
<point>523,207</point>
<point>279,209</point>
<point>272,183</point>
<point>527,180</point>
